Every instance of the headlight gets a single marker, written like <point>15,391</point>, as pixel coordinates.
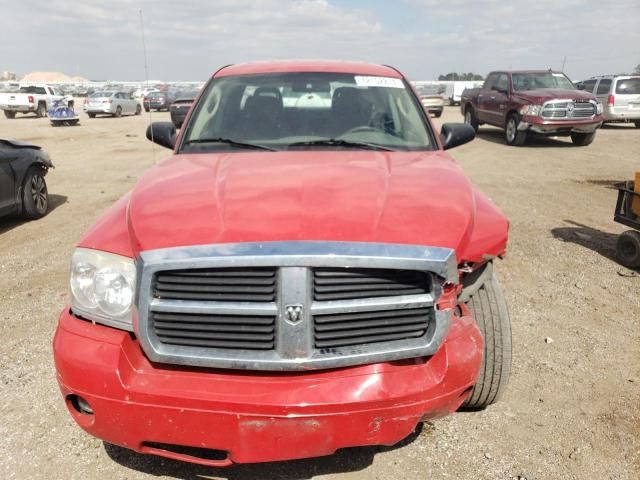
<point>103,287</point>
<point>531,110</point>
<point>599,109</point>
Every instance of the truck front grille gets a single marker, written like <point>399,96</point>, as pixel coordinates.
<point>293,305</point>
<point>568,109</point>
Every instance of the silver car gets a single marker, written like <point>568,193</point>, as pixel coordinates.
<point>112,103</point>
<point>619,96</point>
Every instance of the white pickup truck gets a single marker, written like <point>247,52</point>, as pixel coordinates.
<point>30,99</point>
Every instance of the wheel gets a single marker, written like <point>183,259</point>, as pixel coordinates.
<point>138,110</point>
<point>9,114</point>
<point>470,118</point>
<point>437,114</point>
<point>451,102</point>
<point>637,123</point>
<point>628,249</point>
<point>42,110</point>
<point>118,111</point>
<point>582,139</point>
<point>35,198</point>
<point>146,109</point>
<point>91,115</point>
<point>511,133</point>
<point>492,317</point>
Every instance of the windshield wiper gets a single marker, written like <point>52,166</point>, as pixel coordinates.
<point>336,142</point>
<point>230,142</point>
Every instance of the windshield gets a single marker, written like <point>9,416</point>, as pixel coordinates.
<point>307,110</point>
<point>536,81</point>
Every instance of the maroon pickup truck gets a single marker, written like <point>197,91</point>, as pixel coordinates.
<point>539,101</point>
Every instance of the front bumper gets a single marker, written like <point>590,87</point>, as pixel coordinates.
<point>255,416</point>
<point>558,127</point>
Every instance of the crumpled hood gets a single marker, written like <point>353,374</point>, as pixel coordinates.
<point>409,198</point>
<point>546,94</point>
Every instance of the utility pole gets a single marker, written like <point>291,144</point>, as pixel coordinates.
<point>564,62</point>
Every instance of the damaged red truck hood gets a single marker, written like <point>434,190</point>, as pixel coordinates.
<point>420,198</point>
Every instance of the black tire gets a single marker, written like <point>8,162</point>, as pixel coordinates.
<point>582,139</point>
<point>628,249</point>
<point>41,112</point>
<point>637,124</point>
<point>138,110</point>
<point>9,115</point>
<point>35,197</point>
<point>91,115</point>
<point>492,317</point>
<point>511,134</point>
<point>470,118</point>
<point>437,114</point>
<point>146,109</point>
<point>118,113</point>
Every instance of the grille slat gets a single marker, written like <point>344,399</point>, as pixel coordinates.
<point>371,339</point>
<point>370,327</point>
<point>343,284</point>
<point>225,284</point>
<point>559,110</point>
<point>215,331</point>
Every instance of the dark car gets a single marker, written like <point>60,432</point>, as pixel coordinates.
<point>23,189</point>
<point>157,101</point>
<point>180,107</point>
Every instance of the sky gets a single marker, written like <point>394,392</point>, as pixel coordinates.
<point>189,40</point>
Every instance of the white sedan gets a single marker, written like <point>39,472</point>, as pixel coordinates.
<point>112,103</point>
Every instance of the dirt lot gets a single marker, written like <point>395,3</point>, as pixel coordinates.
<point>573,406</point>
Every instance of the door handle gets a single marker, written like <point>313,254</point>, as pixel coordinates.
<point>493,97</point>
<point>480,96</point>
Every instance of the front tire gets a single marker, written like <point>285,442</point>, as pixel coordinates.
<point>512,135</point>
<point>138,110</point>
<point>490,311</point>
<point>470,118</point>
<point>637,123</point>
<point>582,139</point>
<point>35,197</point>
<point>91,115</point>
<point>628,249</point>
<point>118,113</point>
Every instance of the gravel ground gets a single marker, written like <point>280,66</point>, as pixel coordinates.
<point>572,410</point>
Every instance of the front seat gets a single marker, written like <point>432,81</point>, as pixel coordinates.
<point>349,109</point>
<point>262,117</point>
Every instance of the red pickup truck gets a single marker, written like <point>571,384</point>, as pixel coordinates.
<point>297,277</point>
<point>537,101</point>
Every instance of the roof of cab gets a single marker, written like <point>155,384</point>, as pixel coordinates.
<point>283,66</point>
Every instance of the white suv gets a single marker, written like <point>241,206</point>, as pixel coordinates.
<point>619,95</point>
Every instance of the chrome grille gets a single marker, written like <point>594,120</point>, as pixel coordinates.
<point>567,110</point>
<point>292,305</point>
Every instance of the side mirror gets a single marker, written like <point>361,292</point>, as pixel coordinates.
<point>580,87</point>
<point>455,134</point>
<point>162,133</point>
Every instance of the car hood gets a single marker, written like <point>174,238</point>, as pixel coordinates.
<point>420,198</point>
<point>546,94</point>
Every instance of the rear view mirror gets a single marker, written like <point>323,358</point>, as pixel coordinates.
<point>162,133</point>
<point>455,134</point>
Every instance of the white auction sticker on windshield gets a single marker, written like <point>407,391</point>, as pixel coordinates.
<point>368,81</point>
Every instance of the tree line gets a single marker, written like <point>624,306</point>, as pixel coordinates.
<point>461,76</point>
